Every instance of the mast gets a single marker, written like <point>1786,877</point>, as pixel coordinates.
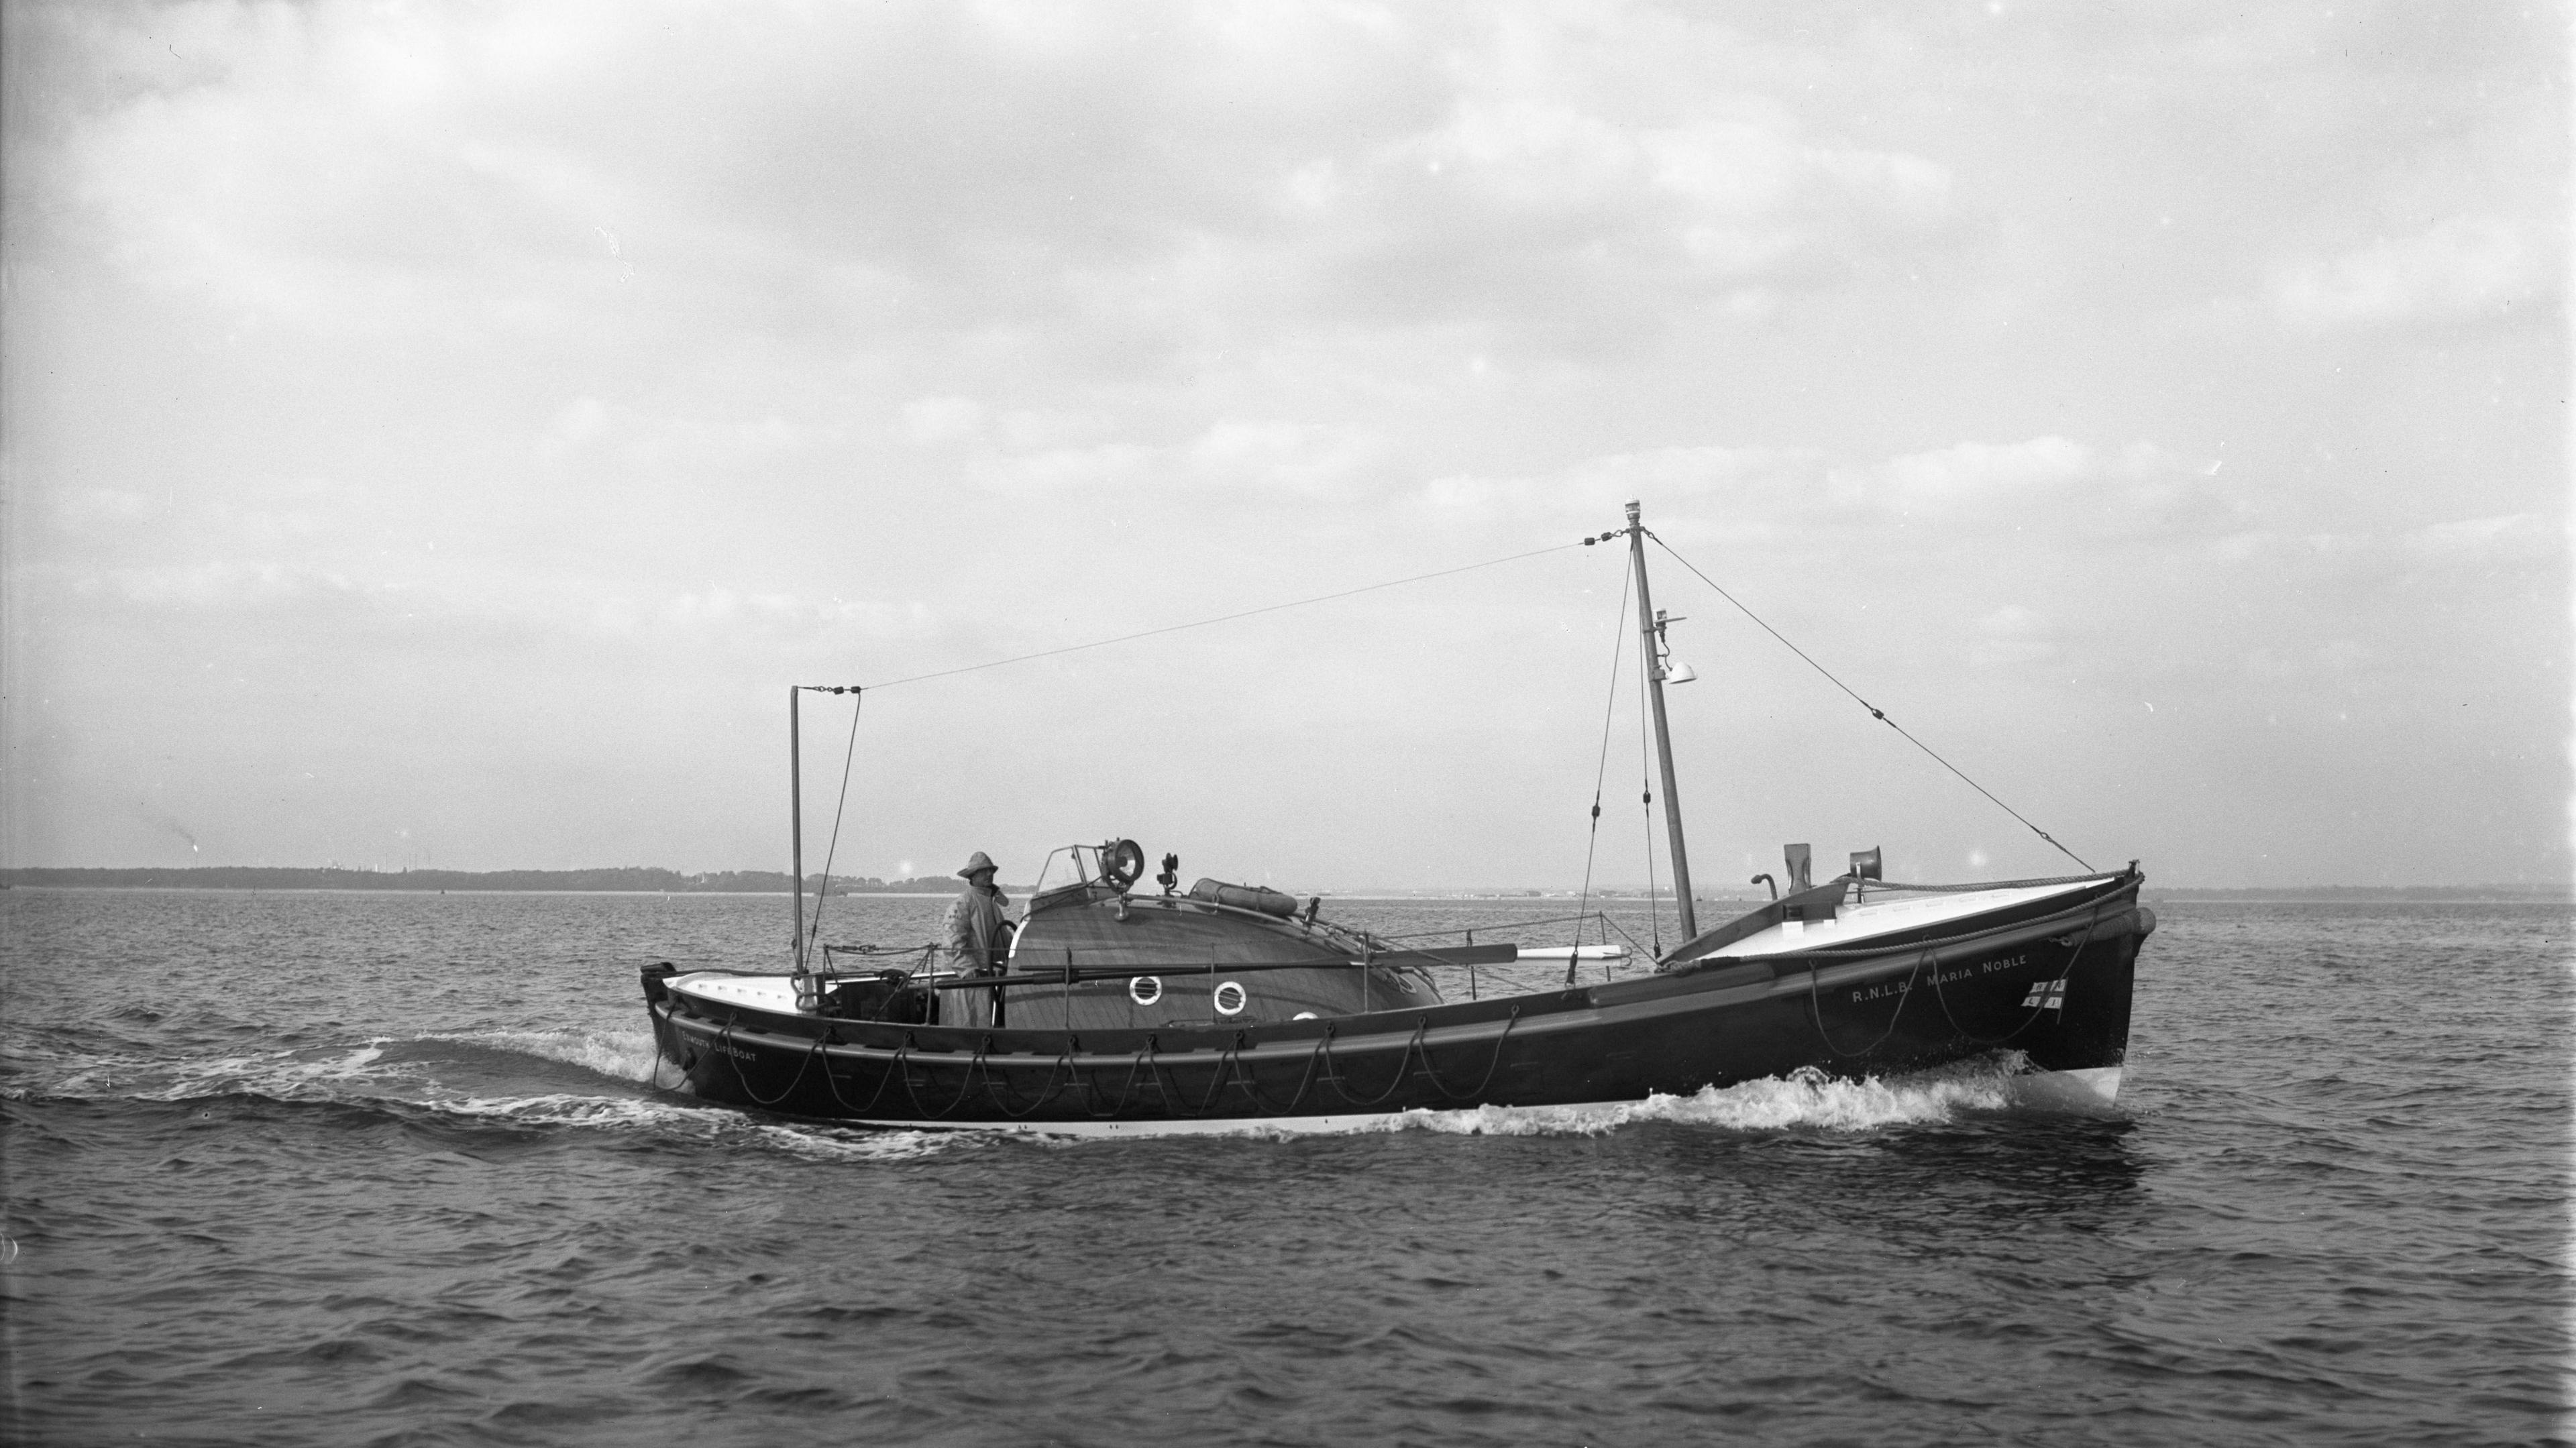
<point>796,834</point>
<point>1650,627</point>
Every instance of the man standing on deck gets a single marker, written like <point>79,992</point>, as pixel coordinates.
<point>978,927</point>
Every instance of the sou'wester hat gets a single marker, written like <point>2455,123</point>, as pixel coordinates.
<point>976,861</point>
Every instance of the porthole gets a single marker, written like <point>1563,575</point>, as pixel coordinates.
<point>1231,999</point>
<point>1144,990</point>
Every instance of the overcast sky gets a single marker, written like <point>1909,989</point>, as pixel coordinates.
<point>436,434</point>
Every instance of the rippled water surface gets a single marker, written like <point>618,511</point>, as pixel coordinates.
<point>383,1168</point>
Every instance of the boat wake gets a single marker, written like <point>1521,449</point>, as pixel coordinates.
<point>291,1075</point>
<point>580,1079</point>
<point>1807,1099</point>
<point>613,1080</point>
<point>711,1124</point>
<point>621,1055</point>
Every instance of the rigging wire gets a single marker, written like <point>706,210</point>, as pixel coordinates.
<point>850,755</point>
<point>1226,618</point>
<point>1646,789</point>
<point>823,892</point>
<point>1601,771</point>
<point>1874,711</point>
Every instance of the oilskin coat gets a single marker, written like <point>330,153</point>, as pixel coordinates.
<point>978,929</point>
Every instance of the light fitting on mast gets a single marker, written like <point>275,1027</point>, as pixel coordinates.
<point>1666,670</point>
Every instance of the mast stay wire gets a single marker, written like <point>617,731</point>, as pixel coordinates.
<point>823,892</point>
<point>1874,711</point>
<point>1646,789</point>
<point>1601,771</point>
<point>1227,618</point>
<point>841,805</point>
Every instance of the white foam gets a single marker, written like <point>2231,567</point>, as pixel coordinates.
<point>361,1075</point>
<point>309,1073</point>
<point>1804,1098</point>
<point>821,1143</point>
<point>830,1144</point>
<point>2087,1091</point>
<point>1807,1098</point>
<point>289,1075</point>
<point>570,1109</point>
<point>345,1067</point>
<point>625,1055</point>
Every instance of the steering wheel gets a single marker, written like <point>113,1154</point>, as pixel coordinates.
<point>1122,863</point>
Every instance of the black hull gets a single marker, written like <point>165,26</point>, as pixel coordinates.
<point>1901,1005</point>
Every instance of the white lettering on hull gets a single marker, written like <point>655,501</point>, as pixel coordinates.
<point>1889,989</point>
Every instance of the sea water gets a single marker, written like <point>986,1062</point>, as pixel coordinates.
<point>383,1168</point>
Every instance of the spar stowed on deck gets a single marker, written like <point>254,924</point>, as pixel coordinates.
<point>1226,1007</point>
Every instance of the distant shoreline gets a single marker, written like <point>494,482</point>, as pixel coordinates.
<point>632,880</point>
<point>2368,895</point>
<point>637,880</point>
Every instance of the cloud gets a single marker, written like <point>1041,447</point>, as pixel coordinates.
<point>2051,486</point>
<point>1567,222</point>
<point>971,173</point>
<point>1234,458</point>
<point>222,586</point>
<point>107,511</point>
<point>2048,487</point>
<point>1688,490</point>
<point>2515,542</point>
<point>2307,663</point>
<point>631,436</point>
<point>720,614</point>
<point>581,421</point>
<point>2468,266</point>
<point>2517,538</point>
<point>1975,472</point>
<point>2010,635</point>
<point>931,421</point>
<point>686,349</point>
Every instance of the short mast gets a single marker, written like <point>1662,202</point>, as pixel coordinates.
<point>796,833</point>
<point>1651,627</point>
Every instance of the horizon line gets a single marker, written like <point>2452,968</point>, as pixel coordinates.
<point>10,874</point>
